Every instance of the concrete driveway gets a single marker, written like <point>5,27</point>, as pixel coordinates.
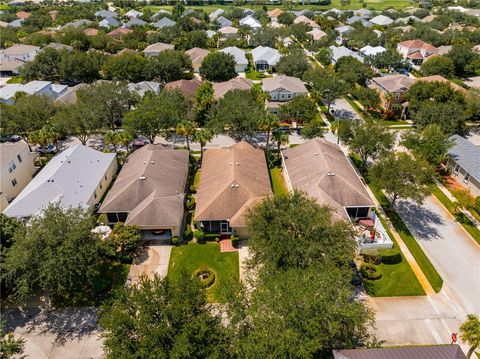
<point>151,258</point>
<point>343,110</point>
<point>59,333</point>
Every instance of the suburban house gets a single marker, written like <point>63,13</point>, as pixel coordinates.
<point>187,87</point>
<point>76,177</point>
<point>20,52</point>
<point>228,32</point>
<point>302,19</point>
<point>410,352</point>
<point>416,51</point>
<point>197,55</point>
<point>157,48</point>
<point>223,21</point>
<point>130,14</point>
<point>320,169</point>
<point>149,192</point>
<point>109,22</point>
<point>265,58</point>
<point>119,33</point>
<point>355,18</point>
<point>438,78</point>
<point>241,61</point>
<point>317,34</point>
<point>250,21</point>
<point>392,89</point>
<point>163,23</point>
<point>464,163</point>
<point>17,169</point>
<point>342,32</point>
<point>214,14</point>
<point>160,13</point>
<point>281,89</point>
<point>135,22</point>
<point>145,86</point>
<point>274,14</point>
<point>381,20</point>
<point>232,181</point>
<point>237,83</point>
<point>341,51</point>
<point>10,68</point>
<point>70,96</point>
<point>106,14</point>
<point>372,50</point>
<point>7,93</point>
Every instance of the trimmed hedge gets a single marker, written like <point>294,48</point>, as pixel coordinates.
<point>390,256</point>
<point>190,205</point>
<point>235,240</point>
<point>371,271</point>
<point>188,235</point>
<point>199,235</point>
<point>175,241</point>
<point>371,256</point>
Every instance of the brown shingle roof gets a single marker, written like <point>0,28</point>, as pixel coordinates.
<point>232,180</point>
<point>237,83</point>
<point>187,87</point>
<point>438,78</point>
<point>121,31</point>
<point>394,83</point>
<point>321,169</point>
<point>90,31</point>
<point>150,187</point>
<point>417,352</point>
<point>275,12</point>
<point>197,55</point>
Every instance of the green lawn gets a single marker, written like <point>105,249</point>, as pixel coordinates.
<point>278,182</point>
<point>255,75</point>
<point>460,217</point>
<point>191,256</point>
<point>427,267</point>
<point>196,179</point>
<point>397,279</point>
<point>355,4</point>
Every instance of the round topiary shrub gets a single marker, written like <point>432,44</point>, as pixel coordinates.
<point>188,234</point>
<point>235,240</point>
<point>390,256</point>
<point>193,189</point>
<point>371,256</point>
<point>199,235</point>
<point>175,241</point>
<point>370,271</point>
<point>205,275</point>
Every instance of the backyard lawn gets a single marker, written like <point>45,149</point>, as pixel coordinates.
<point>193,256</point>
<point>278,182</point>
<point>397,279</point>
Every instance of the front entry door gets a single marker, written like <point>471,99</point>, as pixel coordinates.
<point>224,227</point>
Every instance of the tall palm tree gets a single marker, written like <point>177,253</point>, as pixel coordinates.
<point>470,332</point>
<point>202,136</point>
<point>111,138</point>
<point>281,138</point>
<point>269,123</point>
<point>186,129</point>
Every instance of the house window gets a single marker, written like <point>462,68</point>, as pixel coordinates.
<point>11,166</point>
<point>289,96</point>
<point>456,168</point>
<point>14,182</point>
<point>105,177</point>
<point>19,158</point>
<point>466,178</point>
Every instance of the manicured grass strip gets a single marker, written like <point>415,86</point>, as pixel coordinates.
<point>420,257</point>
<point>192,256</point>
<point>397,279</point>
<point>196,179</point>
<point>278,182</point>
<point>459,216</point>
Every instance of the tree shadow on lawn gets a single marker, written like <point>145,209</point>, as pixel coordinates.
<point>65,323</point>
<point>423,222</point>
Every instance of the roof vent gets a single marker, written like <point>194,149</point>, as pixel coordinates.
<point>331,174</point>
<point>232,185</point>
<point>238,163</point>
<point>231,163</point>
<point>145,162</point>
<point>152,162</point>
<point>316,153</point>
<point>236,186</point>
<point>69,162</point>
<point>142,178</point>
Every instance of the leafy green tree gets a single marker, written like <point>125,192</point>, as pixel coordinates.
<point>353,71</point>
<point>57,254</point>
<point>286,18</point>
<point>313,129</point>
<point>29,114</point>
<point>48,134</point>
<point>126,67</point>
<point>158,114</point>
<point>157,318</point>
<point>169,65</point>
<point>299,313</point>
<point>463,57</point>
<point>186,128</point>
<point>431,143</point>
<point>390,59</point>
<point>270,122</point>
<point>192,39</point>
<point>109,100</point>
<point>449,116</point>
<point>9,346</point>
<point>9,37</point>
<point>300,108</point>
<point>204,99</point>
<point>218,66</point>
<point>81,66</point>
<point>369,98</point>
<point>300,32</point>
<point>473,104</point>
<point>78,120</point>
<point>470,333</point>
<point>124,239</point>
<point>439,65</point>
<point>238,113</point>
<point>294,64</point>
<point>368,140</point>
<point>324,56</point>
<point>326,84</point>
<point>281,138</point>
<point>402,176</point>
<point>74,37</point>
<point>202,136</point>
<point>264,37</point>
<point>44,67</point>
<point>296,232</point>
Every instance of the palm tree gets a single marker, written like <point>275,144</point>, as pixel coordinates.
<point>125,138</point>
<point>281,138</point>
<point>470,332</point>
<point>111,138</point>
<point>269,123</point>
<point>187,129</point>
<point>202,136</point>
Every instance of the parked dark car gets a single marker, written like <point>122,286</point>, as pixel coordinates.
<point>47,149</point>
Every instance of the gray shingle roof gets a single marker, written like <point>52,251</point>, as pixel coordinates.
<point>223,21</point>
<point>70,177</point>
<point>466,154</point>
<point>261,53</point>
<point>416,352</point>
<point>341,51</point>
<point>135,22</point>
<point>238,54</point>
<point>164,22</point>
